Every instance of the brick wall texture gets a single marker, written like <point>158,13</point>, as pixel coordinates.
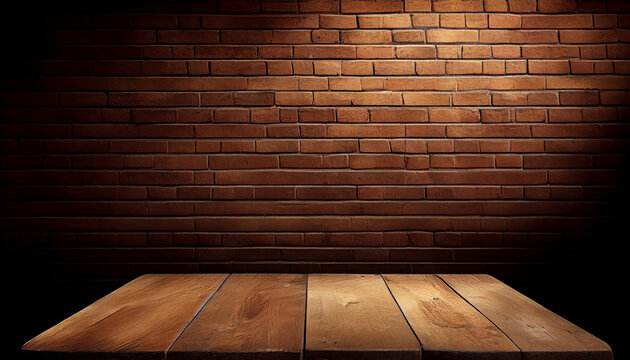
<point>316,135</point>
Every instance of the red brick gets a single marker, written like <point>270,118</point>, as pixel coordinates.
<point>410,146</point>
<point>613,98</point>
<point>494,67</point>
<point>220,162</point>
<point>302,21</point>
<point>375,52</point>
<point>408,36</point>
<point>418,130</point>
<point>557,6</point>
<point>352,115</point>
<point>452,36</point>
<point>376,161</point>
<point>522,5</point>
<point>338,21</point>
<point>506,51</point>
<point>246,36</point>
<point>531,115</point>
<point>417,5</point>
<point>254,98</point>
<point>325,36</point>
<point>476,21</point>
<point>385,21</point>
<point>302,67</point>
<point>328,146</point>
<point>156,177</point>
<point>476,51</point>
<point>366,36</point>
<point>394,68</point>
<point>317,115</point>
<point>516,67</point>
<point>497,115</point>
<point>496,5</point>
<point>279,68</point>
<point>556,161</point>
<point>453,115</point>
<point>504,21</point>
<point>398,115</point>
<point>274,52</point>
<point>325,52</point>
<point>458,6</point>
<point>242,7</point>
<point>294,98</point>
<point>426,98</point>
<point>313,83</point>
<point>550,52</point>
<point>319,6</point>
<point>588,36</point>
<point>272,83</point>
<point>345,84</point>
<point>238,68</point>
<point>579,98</point>
<point>548,66</point>
<point>279,6</point>
<point>452,20</point>
<point>425,20</point>
<point>372,84</point>
<point>527,146</point>
<point>372,131</point>
<point>233,52</point>
<point>449,51</point>
<point>463,67</point>
<point>326,192</point>
<point>277,146</point>
<point>495,130</point>
<point>557,21</point>
<point>431,67</point>
<point>417,162</point>
<point>543,98</point>
<point>518,36</point>
<point>280,131</point>
<point>467,99</point>
<point>509,161</point>
<point>462,161</point>
<point>374,146</point>
<point>274,192</point>
<point>371,6</point>
<point>357,67</point>
<point>291,37</point>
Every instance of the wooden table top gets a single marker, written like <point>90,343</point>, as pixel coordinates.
<point>317,317</point>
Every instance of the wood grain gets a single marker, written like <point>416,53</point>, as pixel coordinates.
<point>253,316</point>
<point>348,316</point>
<point>140,319</point>
<point>447,326</point>
<point>538,332</point>
<point>351,316</point>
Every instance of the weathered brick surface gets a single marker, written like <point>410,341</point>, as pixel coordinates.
<point>315,135</point>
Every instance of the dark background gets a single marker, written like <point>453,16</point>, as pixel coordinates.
<point>586,288</point>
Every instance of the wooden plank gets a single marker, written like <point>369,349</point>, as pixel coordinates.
<point>447,326</point>
<point>352,316</point>
<point>258,316</point>
<point>139,320</point>
<point>538,332</point>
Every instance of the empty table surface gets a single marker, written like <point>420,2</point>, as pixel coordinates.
<point>317,316</point>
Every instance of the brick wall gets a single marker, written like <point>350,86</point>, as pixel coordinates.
<point>320,135</point>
